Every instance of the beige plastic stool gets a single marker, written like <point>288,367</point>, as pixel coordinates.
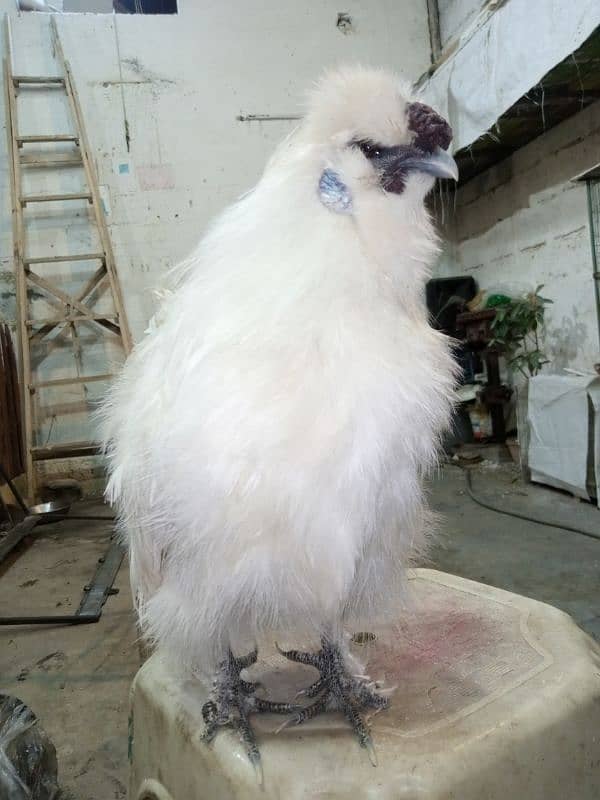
<point>497,697</point>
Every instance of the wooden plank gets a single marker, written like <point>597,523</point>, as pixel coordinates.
<point>68,381</point>
<point>73,257</point>
<point>10,450</point>
<point>76,345</point>
<point>95,280</point>
<point>69,301</point>
<point>14,403</point>
<point>51,198</point>
<point>52,160</point>
<point>64,297</point>
<point>70,318</point>
<point>93,283</point>
<point>35,337</point>
<point>67,450</point>
<point>6,425</point>
<point>54,80</point>
<point>93,184</point>
<point>18,251</point>
<point>46,137</point>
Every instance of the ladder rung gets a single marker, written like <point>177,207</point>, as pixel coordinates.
<point>50,198</point>
<point>72,318</point>
<point>48,137</point>
<point>67,381</point>
<point>66,450</point>
<point>53,160</point>
<point>74,257</point>
<point>48,79</point>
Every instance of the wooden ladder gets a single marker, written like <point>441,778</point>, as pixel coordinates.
<point>75,308</point>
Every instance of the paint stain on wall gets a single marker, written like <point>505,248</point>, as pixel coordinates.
<point>155,176</point>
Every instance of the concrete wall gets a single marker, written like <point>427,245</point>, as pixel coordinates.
<point>525,222</point>
<point>100,6</point>
<point>175,84</point>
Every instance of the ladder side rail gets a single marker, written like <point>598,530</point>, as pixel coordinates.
<point>92,179</point>
<point>24,356</point>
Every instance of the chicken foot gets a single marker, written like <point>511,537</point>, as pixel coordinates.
<point>337,690</point>
<point>233,700</point>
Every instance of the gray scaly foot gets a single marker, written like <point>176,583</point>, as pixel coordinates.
<point>337,690</point>
<point>232,701</point>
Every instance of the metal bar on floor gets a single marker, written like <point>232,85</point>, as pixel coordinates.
<point>95,595</point>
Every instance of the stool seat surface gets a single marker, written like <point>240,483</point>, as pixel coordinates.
<point>495,695</point>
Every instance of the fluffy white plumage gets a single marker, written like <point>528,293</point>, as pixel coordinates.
<point>267,440</point>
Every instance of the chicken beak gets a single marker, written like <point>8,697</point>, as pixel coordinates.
<point>440,164</point>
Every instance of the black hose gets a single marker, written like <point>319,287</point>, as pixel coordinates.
<point>518,514</point>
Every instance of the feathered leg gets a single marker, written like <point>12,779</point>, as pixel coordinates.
<point>232,701</point>
<point>337,690</point>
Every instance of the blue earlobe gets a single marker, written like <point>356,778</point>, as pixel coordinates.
<point>334,194</point>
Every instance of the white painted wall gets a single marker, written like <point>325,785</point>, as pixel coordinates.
<point>185,78</point>
<point>455,16</point>
<point>525,222</point>
<point>181,81</point>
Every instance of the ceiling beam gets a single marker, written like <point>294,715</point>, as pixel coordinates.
<point>435,37</point>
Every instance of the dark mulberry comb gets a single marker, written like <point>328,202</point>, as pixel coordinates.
<point>431,130</point>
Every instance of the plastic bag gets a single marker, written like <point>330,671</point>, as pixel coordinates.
<point>28,767</point>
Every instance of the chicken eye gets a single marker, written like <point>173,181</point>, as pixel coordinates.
<point>369,149</point>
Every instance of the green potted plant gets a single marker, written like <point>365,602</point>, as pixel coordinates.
<point>517,329</point>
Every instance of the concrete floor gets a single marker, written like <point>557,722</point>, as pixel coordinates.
<point>76,679</point>
<point>546,563</point>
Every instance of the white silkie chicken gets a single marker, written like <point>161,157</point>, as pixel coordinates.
<point>267,440</point>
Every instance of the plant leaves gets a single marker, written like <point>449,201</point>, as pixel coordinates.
<point>516,328</point>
